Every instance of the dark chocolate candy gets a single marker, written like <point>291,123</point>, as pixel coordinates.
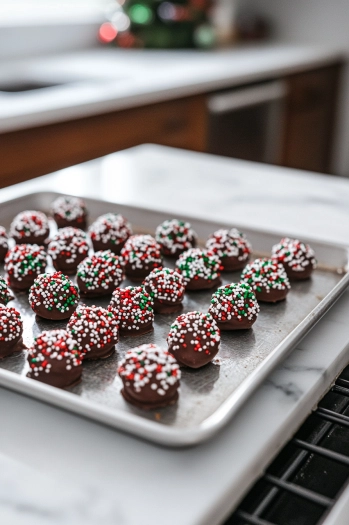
<point>30,227</point>
<point>166,287</point>
<point>234,307</point>
<point>67,249</point>
<point>267,279</point>
<point>23,264</point>
<point>232,248</point>
<point>200,269</point>
<point>297,258</point>
<point>100,274</point>
<point>11,331</point>
<point>110,232</point>
<point>175,237</point>
<point>141,254</point>
<point>133,307</point>
<point>53,296</point>
<point>69,211</point>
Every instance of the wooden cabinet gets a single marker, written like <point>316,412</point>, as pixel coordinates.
<point>310,119</point>
<point>183,123</point>
<point>32,152</point>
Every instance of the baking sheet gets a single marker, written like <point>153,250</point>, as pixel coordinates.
<point>209,396</point>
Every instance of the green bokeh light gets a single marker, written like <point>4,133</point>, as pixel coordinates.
<point>140,14</point>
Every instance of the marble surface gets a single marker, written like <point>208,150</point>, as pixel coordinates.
<point>48,456</point>
<point>103,80</point>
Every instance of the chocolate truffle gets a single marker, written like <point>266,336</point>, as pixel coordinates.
<point>134,310</point>
<point>110,232</point>
<point>53,296</point>
<point>166,287</point>
<point>297,258</point>
<point>23,263</point>
<point>95,331</point>
<point>30,227</point>
<point>5,294</point>
<point>100,274</point>
<point>3,243</point>
<point>150,376</point>
<point>54,359</point>
<point>194,339</point>
<point>141,254</point>
<point>11,330</point>
<point>69,211</point>
<point>267,279</point>
<point>175,237</point>
<point>67,249</point>
<point>234,307</point>
<point>232,248</point>
<point>200,269</point>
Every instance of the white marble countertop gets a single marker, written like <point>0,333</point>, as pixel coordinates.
<point>57,468</point>
<point>104,80</point>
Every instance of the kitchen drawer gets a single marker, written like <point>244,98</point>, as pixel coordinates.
<point>311,91</point>
<point>29,153</point>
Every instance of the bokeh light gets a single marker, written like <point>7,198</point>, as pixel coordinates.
<point>107,32</point>
<point>141,14</point>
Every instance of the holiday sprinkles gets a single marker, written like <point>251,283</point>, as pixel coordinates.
<point>53,296</point>
<point>150,376</point>
<point>69,211</point>
<point>30,227</point>
<point>95,330</point>
<point>234,306</point>
<point>175,237</point>
<point>55,359</point>
<point>100,274</point>
<point>232,248</point>
<point>110,231</point>
<point>133,307</point>
<point>141,254</point>
<point>11,329</point>
<point>297,258</point>
<point>5,294</point>
<point>268,280</point>
<point>194,339</point>
<point>67,248</point>
<point>166,287</point>
<point>200,268</point>
<point>23,263</point>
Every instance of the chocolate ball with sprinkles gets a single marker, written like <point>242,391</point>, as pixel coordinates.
<point>95,330</point>
<point>200,269</point>
<point>267,279</point>
<point>69,211</point>
<point>54,359</point>
<point>134,310</point>
<point>3,243</point>
<point>5,294</point>
<point>297,258</point>
<point>141,254</point>
<point>150,377</point>
<point>194,339</point>
<point>175,237</point>
<point>232,248</point>
<point>110,232</point>
<point>166,287</point>
<point>30,227</point>
<point>11,331</point>
<point>67,249</point>
<point>100,274</point>
<point>53,296</point>
<point>234,307</point>
<point>23,264</point>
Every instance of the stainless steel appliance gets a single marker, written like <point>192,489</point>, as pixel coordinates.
<point>247,123</point>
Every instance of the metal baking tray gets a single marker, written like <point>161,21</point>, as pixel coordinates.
<point>210,396</point>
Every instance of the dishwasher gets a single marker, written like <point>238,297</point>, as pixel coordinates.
<point>247,122</point>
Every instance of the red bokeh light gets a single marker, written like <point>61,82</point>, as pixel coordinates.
<point>107,32</point>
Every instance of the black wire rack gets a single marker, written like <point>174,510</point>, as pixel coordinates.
<point>303,483</point>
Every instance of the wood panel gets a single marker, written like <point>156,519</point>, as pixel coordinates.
<point>32,152</point>
<point>310,119</point>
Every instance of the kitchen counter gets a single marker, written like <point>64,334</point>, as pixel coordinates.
<point>59,469</point>
<point>104,80</point>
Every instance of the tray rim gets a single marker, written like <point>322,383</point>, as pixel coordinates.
<point>154,431</point>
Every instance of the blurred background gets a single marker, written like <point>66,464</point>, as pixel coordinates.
<point>261,80</point>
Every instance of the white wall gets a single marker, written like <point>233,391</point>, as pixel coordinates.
<point>324,22</point>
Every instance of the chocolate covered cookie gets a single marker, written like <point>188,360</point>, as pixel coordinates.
<point>95,330</point>
<point>150,376</point>
<point>54,359</point>
<point>166,288</point>
<point>194,339</point>
<point>110,232</point>
<point>297,258</point>
<point>141,254</point>
<point>23,263</point>
<point>67,249</point>
<point>133,307</point>
<point>267,279</point>
<point>30,227</point>
<point>234,307</point>
<point>231,247</point>
<point>5,293</point>
<point>100,274</point>
<point>11,331</point>
<point>69,211</point>
<point>175,237</point>
<point>53,296</point>
<point>200,269</point>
